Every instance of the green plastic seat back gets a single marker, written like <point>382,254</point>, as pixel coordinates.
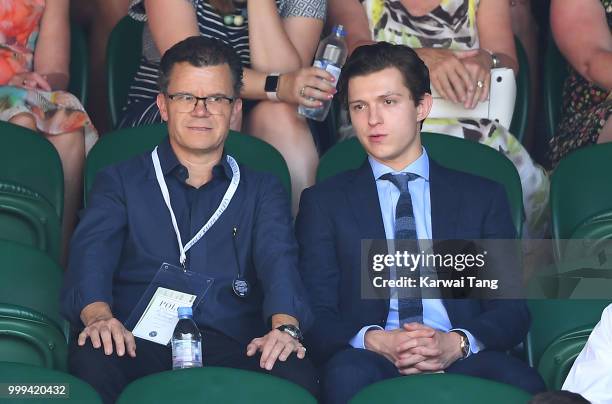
<point>520,116</point>
<point>78,390</point>
<point>79,64</point>
<point>580,194</point>
<point>455,153</point>
<point>124,144</point>
<point>123,54</point>
<point>31,189</point>
<point>30,278</point>
<point>28,159</point>
<point>29,337</point>
<point>551,319</point>
<point>28,218</point>
<point>214,385</point>
<point>556,71</point>
<point>558,358</point>
<point>444,388</point>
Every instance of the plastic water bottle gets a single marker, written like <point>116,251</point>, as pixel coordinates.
<point>186,341</point>
<point>331,55</point>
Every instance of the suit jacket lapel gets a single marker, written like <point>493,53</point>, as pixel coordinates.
<point>444,196</point>
<point>363,199</point>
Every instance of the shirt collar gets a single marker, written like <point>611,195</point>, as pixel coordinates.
<point>170,163</point>
<point>419,167</point>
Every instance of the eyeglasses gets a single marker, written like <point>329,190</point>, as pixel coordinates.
<point>215,104</point>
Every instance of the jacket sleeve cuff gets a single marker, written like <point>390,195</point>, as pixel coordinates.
<point>76,299</point>
<point>358,341</point>
<point>475,345</point>
<point>290,306</point>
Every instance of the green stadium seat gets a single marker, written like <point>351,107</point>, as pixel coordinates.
<point>451,152</point>
<point>443,388</point>
<point>79,64</point>
<point>581,196</point>
<point>213,385</point>
<point>123,144</point>
<point>558,358</point>
<point>32,330</point>
<point>19,374</point>
<point>553,320</point>
<point>31,189</point>
<point>29,337</point>
<point>123,54</point>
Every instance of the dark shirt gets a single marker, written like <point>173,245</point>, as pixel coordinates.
<point>126,233</point>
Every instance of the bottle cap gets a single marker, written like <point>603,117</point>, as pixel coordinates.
<point>185,312</point>
<point>339,30</point>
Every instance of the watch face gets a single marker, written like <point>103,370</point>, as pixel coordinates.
<point>291,330</point>
<point>271,84</point>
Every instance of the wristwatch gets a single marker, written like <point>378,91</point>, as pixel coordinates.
<point>465,344</point>
<point>291,330</point>
<point>271,86</point>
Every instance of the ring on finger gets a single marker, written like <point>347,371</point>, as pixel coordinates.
<point>302,91</point>
<point>480,84</point>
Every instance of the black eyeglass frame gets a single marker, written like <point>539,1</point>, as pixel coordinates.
<point>230,100</point>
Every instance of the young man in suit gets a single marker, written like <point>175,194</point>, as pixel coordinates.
<point>399,192</point>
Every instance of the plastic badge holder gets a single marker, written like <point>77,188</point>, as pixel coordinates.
<point>498,107</point>
<point>175,278</point>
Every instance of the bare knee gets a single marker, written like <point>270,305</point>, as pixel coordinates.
<point>71,144</point>
<point>24,119</point>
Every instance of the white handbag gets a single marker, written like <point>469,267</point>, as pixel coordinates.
<point>499,106</point>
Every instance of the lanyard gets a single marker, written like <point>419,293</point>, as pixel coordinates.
<point>227,198</point>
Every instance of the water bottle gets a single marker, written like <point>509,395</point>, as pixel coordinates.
<point>331,55</point>
<point>186,341</point>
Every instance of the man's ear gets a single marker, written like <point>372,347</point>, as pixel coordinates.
<point>424,107</point>
<point>236,116</point>
<point>163,106</point>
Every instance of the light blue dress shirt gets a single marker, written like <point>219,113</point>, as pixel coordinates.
<point>434,313</point>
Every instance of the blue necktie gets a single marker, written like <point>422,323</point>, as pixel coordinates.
<point>410,309</point>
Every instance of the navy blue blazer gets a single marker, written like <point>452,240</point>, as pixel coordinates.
<point>338,213</point>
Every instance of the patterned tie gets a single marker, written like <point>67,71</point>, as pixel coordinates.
<point>410,308</point>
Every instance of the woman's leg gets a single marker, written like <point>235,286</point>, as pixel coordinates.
<point>280,125</point>
<point>71,149</point>
<point>24,119</point>
<point>606,132</point>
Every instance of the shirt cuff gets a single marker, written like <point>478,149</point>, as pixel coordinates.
<point>475,345</point>
<point>358,341</point>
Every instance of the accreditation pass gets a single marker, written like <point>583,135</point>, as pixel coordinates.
<point>34,390</point>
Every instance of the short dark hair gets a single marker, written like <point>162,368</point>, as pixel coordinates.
<point>200,51</point>
<point>373,58</point>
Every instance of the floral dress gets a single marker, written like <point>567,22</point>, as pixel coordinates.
<point>585,110</point>
<point>55,112</point>
<point>452,25</point>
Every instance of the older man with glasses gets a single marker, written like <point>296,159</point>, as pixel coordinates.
<point>187,218</point>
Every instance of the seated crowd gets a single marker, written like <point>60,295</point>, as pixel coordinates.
<point>187,209</point>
